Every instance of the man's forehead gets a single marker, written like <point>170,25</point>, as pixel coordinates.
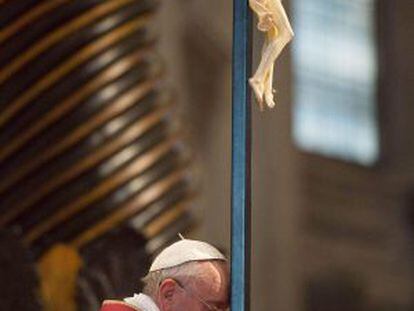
<point>215,271</point>
<point>214,282</point>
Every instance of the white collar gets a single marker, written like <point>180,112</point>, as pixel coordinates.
<point>143,302</point>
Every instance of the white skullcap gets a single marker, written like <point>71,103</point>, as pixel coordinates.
<point>185,251</point>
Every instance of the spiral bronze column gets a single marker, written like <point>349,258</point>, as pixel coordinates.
<point>88,145</point>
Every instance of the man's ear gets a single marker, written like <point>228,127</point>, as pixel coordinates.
<point>167,290</point>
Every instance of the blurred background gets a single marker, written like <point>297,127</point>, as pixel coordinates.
<point>115,134</point>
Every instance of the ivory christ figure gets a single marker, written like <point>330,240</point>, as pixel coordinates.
<point>275,23</point>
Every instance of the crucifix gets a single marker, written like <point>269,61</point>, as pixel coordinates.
<point>272,20</point>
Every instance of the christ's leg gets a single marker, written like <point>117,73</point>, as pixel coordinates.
<point>268,89</point>
<point>272,51</point>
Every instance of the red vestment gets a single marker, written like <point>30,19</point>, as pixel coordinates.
<point>114,305</point>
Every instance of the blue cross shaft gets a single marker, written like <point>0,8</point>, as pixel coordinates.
<point>241,154</point>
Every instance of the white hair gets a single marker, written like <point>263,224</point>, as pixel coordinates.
<point>182,273</point>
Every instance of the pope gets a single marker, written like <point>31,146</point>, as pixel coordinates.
<point>188,275</point>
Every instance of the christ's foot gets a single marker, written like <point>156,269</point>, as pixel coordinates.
<point>258,90</point>
<point>269,99</point>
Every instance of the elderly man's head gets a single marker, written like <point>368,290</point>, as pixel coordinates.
<point>189,276</point>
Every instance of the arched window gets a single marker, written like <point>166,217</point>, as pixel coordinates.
<point>335,79</point>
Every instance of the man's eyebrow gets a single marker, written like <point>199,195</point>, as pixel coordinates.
<point>217,303</point>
